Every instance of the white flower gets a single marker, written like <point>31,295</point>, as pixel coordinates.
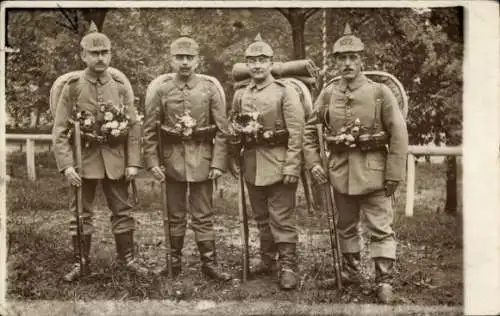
<point>122,125</point>
<point>357,121</point>
<point>113,124</point>
<point>254,115</point>
<point>103,108</point>
<point>108,116</point>
<point>187,132</point>
<point>115,132</point>
<point>87,122</point>
<point>349,138</point>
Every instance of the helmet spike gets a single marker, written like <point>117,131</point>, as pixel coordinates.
<point>92,28</point>
<point>347,30</point>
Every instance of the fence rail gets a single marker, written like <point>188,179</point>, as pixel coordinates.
<point>410,170</point>
<point>413,151</point>
<point>30,140</point>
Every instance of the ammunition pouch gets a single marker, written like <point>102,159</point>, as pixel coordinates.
<point>372,142</point>
<point>269,138</point>
<point>364,143</point>
<point>200,134</point>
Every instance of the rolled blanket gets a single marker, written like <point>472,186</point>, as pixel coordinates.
<point>306,80</point>
<point>294,68</point>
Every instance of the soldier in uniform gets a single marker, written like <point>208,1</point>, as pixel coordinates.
<point>271,172</point>
<point>114,165</point>
<point>363,181</point>
<point>188,163</point>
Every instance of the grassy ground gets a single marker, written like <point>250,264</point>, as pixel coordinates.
<point>429,266</point>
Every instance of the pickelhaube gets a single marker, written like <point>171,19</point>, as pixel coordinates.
<point>259,48</point>
<point>184,45</point>
<point>348,42</point>
<point>95,40</point>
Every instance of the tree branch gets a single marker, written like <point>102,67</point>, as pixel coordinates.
<point>285,12</point>
<point>309,13</point>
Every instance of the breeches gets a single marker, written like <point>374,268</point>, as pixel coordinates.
<point>200,207</point>
<point>274,210</point>
<point>116,193</point>
<point>376,210</point>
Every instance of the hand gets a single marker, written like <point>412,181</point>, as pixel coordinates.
<point>158,173</point>
<point>289,179</point>
<point>130,173</point>
<point>319,174</point>
<point>214,173</point>
<point>390,187</point>
<point>73,176</point>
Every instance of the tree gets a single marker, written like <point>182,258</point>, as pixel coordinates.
<point>297,17</point>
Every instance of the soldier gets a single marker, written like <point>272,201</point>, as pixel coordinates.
<point>189,163</point>
<point>271,171</point>
<point>114,165</point>
<point>363,181</point>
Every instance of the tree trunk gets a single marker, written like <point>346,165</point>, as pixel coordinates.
<point>451,185</point>
<point>298,27</point>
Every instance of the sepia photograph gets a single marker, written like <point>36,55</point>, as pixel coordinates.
<point>184,160</point>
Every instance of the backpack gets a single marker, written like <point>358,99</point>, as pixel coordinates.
<point>61,81</point>
<point>299,87</point>
<point>390,81</point>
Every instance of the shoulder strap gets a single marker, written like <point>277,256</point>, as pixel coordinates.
<point>379,100</point>
<point>280,104</point>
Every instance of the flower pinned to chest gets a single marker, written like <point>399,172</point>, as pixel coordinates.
<point>185,123</point>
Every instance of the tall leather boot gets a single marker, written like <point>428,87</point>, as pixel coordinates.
<point>288,265</point>
<point>351,268</point>
<point>125,250</point>
<point>383,277</point>
<point>351,271</point>
<point>209,266</point>
<point>76,270</point>
<point>268,250</point>
<point>176,245</point>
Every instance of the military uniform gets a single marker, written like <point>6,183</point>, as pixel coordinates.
<point>102,161</point>
<point>264,167</point>
<point>187,163</point>
<point>358,177</point>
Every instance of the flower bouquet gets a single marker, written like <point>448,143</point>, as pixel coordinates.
<point>246,127</point>
<point>115,125</point>
<point>88,128</point>
<point>354,135</point>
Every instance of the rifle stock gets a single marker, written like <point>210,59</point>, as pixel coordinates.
<point>242,207</point>
<point>78,192</point>
<point>164,208</point>
<point>331,209</point>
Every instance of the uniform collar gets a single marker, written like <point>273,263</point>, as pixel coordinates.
<point>92,77</point>
<point>190,83</point>
<point>359,81</point>
<point>270,79</point>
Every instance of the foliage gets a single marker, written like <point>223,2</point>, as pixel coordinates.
<point>423,48</point>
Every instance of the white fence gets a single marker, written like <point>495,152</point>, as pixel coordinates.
<point>30,140</point>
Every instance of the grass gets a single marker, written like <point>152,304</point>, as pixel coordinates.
<point>429,266</point>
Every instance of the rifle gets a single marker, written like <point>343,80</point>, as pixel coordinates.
<point>78,192</point>
<point>132,182</point>
<point>331,209</point>
<point>166,218</point>
<point>307,193</point>
<point>242,207</point>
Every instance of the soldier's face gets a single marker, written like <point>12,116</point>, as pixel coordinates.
<point>184,65</point>
<point>260,67</point>
<point>349,64</point>
<point>97,60</point>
